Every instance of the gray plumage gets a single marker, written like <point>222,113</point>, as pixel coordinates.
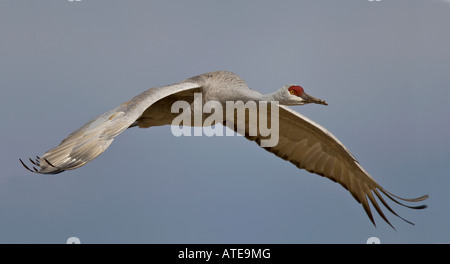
<point>302,142</point>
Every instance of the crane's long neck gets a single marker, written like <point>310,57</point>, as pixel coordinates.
<point>252,95</point>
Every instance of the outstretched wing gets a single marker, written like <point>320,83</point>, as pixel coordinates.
<point>310,146</point>
<point>92,139</point>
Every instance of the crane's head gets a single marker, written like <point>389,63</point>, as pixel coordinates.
<point>294,94</point>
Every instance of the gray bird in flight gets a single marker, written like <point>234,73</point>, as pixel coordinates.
<point>302,142</point>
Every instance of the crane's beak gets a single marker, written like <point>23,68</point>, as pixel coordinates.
<point>311,99</point>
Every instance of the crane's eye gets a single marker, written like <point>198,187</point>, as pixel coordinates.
<point>296,90</point>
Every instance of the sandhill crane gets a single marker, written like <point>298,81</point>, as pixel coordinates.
<point>302,142</point>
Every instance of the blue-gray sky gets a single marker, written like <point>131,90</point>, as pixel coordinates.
<point>383,67</point>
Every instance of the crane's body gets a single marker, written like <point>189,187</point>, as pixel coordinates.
<point>302,142</point>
